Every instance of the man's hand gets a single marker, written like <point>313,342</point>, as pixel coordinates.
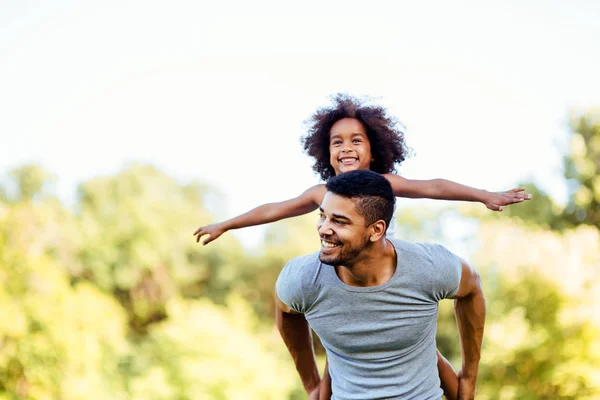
<point>497,201</point>
<point>466,387</point>
<point>213,231</point>
<point>314,394</point>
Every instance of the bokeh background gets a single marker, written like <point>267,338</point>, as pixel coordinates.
<point>127,125</point>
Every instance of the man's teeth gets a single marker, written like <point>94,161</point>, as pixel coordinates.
<point>327,244</point>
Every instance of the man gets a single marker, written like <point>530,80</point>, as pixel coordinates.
<point>373,301</point>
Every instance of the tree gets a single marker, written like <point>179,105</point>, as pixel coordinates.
<point>29,182</point>
<point>57,340</point>
<point>582,170</point>
<point>581,164</point>
<point>136,242</point>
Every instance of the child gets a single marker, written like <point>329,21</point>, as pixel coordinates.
<point>350,136</point>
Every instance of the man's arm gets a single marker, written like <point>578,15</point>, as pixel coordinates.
<point>325,390</point>
<point>296,334</point>
<point>469,309</point>
<point>443,189</point>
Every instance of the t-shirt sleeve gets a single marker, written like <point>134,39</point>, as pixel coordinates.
<point>290,285</point>
<point>447,272</point>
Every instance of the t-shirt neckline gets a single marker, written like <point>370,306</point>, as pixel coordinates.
<point>338,282</point>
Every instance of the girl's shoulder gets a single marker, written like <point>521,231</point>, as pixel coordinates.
<point>318,192</point>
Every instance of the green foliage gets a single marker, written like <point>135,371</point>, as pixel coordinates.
<point>52,346</point>
<point>542,294</point>
<point>582,170</point>
<point>541,211</point>
<point>114,298</point>
<point>136,243</point>
<point>582,174</point>
<point>204,351</point>
<point>30,182</point>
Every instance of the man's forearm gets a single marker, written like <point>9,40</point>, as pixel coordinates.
<point>297,337</point>
<point>470,315</point>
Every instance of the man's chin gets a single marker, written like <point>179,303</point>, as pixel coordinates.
<point>327,259</point>
<point>334,261</point>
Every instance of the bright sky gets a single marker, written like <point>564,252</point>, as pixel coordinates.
<point>218,91</point>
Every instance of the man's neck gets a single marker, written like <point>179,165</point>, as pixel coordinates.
<point>373,267</point>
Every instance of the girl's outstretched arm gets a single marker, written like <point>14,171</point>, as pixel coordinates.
<point>271,212</point>
<point>443,189</point>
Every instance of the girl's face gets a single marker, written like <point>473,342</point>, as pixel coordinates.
<point>349,146</point>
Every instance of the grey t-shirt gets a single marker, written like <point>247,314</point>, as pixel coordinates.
<point>380,340</point>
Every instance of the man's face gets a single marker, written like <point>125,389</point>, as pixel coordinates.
<point>342,229</point>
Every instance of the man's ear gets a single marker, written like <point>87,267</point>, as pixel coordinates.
<point>377,230</point>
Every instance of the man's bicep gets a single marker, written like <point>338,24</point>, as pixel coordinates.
<point>470,282</point>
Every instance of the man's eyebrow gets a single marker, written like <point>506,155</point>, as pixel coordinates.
<point>336,216</point>
<point>340,216</point>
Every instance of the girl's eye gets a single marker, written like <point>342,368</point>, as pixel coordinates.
<point>336,143</point>
<point>357,141</point>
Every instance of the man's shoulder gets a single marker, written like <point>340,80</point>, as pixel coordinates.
<point>296,285</point>
<point>421,249</point>
<point>305,261</point>
<point>432,267</point>
<point>300,268</point>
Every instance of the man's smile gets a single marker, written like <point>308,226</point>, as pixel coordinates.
<point>327,245</point>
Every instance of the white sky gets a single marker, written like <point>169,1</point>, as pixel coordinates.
<point>218,91</point>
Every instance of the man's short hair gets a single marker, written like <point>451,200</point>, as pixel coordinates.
<point>373,193</point>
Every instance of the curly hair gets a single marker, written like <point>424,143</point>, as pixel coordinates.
<point>383,131</point>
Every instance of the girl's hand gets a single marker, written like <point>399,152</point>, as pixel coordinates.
<point>213,231</point>
<point>497,201</point>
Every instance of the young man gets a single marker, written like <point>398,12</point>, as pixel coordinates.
<point>373,301</point>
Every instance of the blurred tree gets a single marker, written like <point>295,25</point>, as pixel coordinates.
<point>541,211</point>
<point>582,173</point>
<point>51,345</point>
<point>582,170</point>
<point>29,182</point>
<point>65,332</point>
<point>543,293</point>
<point>136,242</point>
<point>205,351</point>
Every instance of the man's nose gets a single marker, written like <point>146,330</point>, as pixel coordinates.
<point>324,228</point>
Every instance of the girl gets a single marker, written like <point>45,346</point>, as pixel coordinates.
<point>348,136</point>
